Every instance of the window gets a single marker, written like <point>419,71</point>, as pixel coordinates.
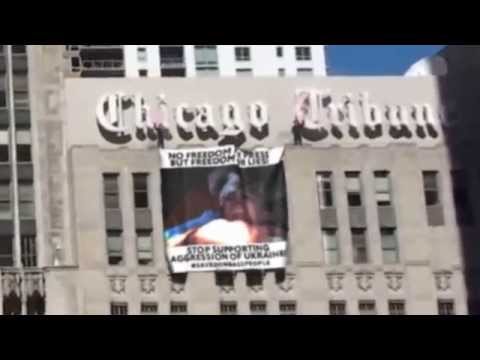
<point>288,308</point>
<point>254,278</point>
<point>367,308</point>
<point>359,240</point>
<point>172,55</point>
<point>242,53</point>
<point>224,278</point>
<point>144,247</point>
<point>430,184</point>
<point>325,189</point>
<point>244,72</point>
<point>3,99</point>
<point>19,49</point>
<point>396,307</point>
<point>115,247</point>
<point>178,308</point>
<point>461,198</point>
<point>110,186</point>
<point>354,189</point>
<point>279,51</point>
<point>446,307</point>
<point>4,154</point>
<point>149,308</point>
<point>5,200</point>
<point>35,303</point>
<point>206,56</point>
<point>389,246</point>
<point>305,72</point>
<point>118,308</point>
<point>29,251</point>
<point>382,188</point>
<point>24,153</point>
<point>228,308</point>
<point>26,199</point>
<point>6,251</point>
<point>330,245</point>
<point>142,54</point>
<point>20,97</point>
<point>303,53</point>
<point>281,72</point>
<point>143,73</point>
<point>258,308</point>
<point>338,308</point>
<point>141,190</point>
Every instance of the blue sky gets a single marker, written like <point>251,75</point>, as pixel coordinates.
<point>375,59</point>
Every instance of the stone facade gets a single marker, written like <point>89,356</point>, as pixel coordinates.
<point>71,154</point>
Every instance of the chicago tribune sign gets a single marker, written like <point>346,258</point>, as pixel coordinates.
<point>122,116</point>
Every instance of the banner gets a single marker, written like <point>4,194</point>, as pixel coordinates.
<point>224,209</point>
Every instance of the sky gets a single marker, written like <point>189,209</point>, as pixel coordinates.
<point>375,59</point>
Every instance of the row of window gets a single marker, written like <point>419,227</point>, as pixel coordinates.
<point>336,308</point>
<point>302,53</point>
<point>383,193</point>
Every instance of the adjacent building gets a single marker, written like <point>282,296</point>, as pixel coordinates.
<point>192,61</point>
<point>377,209</point>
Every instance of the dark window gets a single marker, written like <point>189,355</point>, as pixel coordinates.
<point>110,188</point>
<point>141,190</point>
<point>338,308</point>
<point>306,72</point>
<point>228,308</point>
<point>354,189</point>
<point>6,251</point>
<point>29,251</point>
<point>19,49</point>
<point>279,51</point>
<point>281,72</point>
<point>178,308</point>
<point>254,278</point>
<point>118,308</point>
<point>75,62</point>
<point>143,73</point>
<point>149,308</point>
<point>430,184</point>
<point>3,99</point>
<point>173,72</point>
<point>446,307</point>
<point>115,247</point>
<point>303,53</point>
<point>12,304</point>
<point>359,240</point>
<point>4,153</point>
<point>288,308</point>
<point>224,278</point>
<point>24,153</point>
<point>325,189</point>
<point>171,54</point>
<point>258,308</point>
<point>396,307</point>
<point>244,72</point>
<point>242,53</point>
<point>461,196</point>
<point>35,304</point>
<point>367,308</point>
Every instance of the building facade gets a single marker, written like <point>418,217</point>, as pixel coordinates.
<point>134,61</point>
<point>377,210</point>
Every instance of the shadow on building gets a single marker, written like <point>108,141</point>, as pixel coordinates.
<point>459,92</point>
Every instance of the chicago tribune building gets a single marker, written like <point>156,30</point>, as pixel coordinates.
<point>128,195</point>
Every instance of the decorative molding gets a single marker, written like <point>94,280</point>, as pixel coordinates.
<point>11,281</point>
<point>176,286</point>
<point>289,282</point>
<point>147,283</point>
<point>335,281</point>
<point>394,280</point>
<point>442,280</point>
<point>364,280</point>
<point>117,284</point>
